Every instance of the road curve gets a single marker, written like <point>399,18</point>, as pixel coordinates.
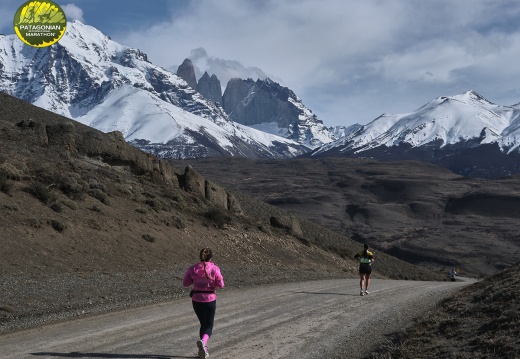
<point>318,319</point>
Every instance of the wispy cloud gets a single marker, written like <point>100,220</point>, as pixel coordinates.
<point>73,12</point>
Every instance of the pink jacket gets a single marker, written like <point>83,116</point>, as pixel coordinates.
<point>195,275</point>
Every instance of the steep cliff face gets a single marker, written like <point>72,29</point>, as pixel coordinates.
<point>209,87</point>
<point>266,105</point>
<point>186,71</point>
<point>236,96</point>
<point>251,103</point>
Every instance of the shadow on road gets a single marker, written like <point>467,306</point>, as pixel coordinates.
<point>107,355</point>
<point>328,293</point>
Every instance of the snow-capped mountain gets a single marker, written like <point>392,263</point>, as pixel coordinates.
<point>90,78</point>
<point>445,127</point>
<point>263,104</point>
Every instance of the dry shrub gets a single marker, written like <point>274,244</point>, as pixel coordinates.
<point>10,171</point>
<point>94,184</point>
<point>124,189</point>
<point>92,223</point>
<point>71,204</point>
<point>100,195</point>
<point>35,222</point>
<point>95,208</point>
<point>178,223</point>
<point>149,238</point>
<point>57,225</point>
<point>155,204</point>
<point>70,186</point>
<point>45,194</point>
<point>5,183</point>
<point>57,207</point>
<point>45,172</point>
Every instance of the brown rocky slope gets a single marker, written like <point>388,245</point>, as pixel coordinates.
<point>481,321</point>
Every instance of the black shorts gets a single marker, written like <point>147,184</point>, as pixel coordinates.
<point>365,269</point>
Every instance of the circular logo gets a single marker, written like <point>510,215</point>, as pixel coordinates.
<point>40,23</point>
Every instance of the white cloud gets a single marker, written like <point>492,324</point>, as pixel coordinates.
<point>73,12</point>
<point>347,58</point>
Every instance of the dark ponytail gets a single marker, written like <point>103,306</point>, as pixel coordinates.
<point>205,255</point>
<point>365,251</point>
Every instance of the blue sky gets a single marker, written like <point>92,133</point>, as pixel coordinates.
<point>349,60</point>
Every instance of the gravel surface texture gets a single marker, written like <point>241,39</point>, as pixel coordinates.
<point>34,300</point>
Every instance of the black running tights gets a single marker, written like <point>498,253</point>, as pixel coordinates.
<point>206,314</point>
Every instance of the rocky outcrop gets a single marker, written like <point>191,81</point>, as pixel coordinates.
<point>192,182</point>
<point>73,138</point>
<point>209,87</point>
<point>236,96</point>
<point>186,71</point>
<point>288,222</point>
<point>265,101</point>
<point>250,103</point>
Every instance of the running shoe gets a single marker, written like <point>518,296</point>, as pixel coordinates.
<point>203,350</point>
<point>361,293</point>
<point>366,292</point>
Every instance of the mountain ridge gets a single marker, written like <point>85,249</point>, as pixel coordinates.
<point>87,70</point>
<point>454,132</point>
<point>90,78</point>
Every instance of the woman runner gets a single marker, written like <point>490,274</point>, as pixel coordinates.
<point>365,259</point>
<point>206,278</point>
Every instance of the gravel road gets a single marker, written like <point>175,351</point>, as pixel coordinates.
<point>317,319</point>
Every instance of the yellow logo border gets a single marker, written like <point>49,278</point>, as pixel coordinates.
<point>40,23</point>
